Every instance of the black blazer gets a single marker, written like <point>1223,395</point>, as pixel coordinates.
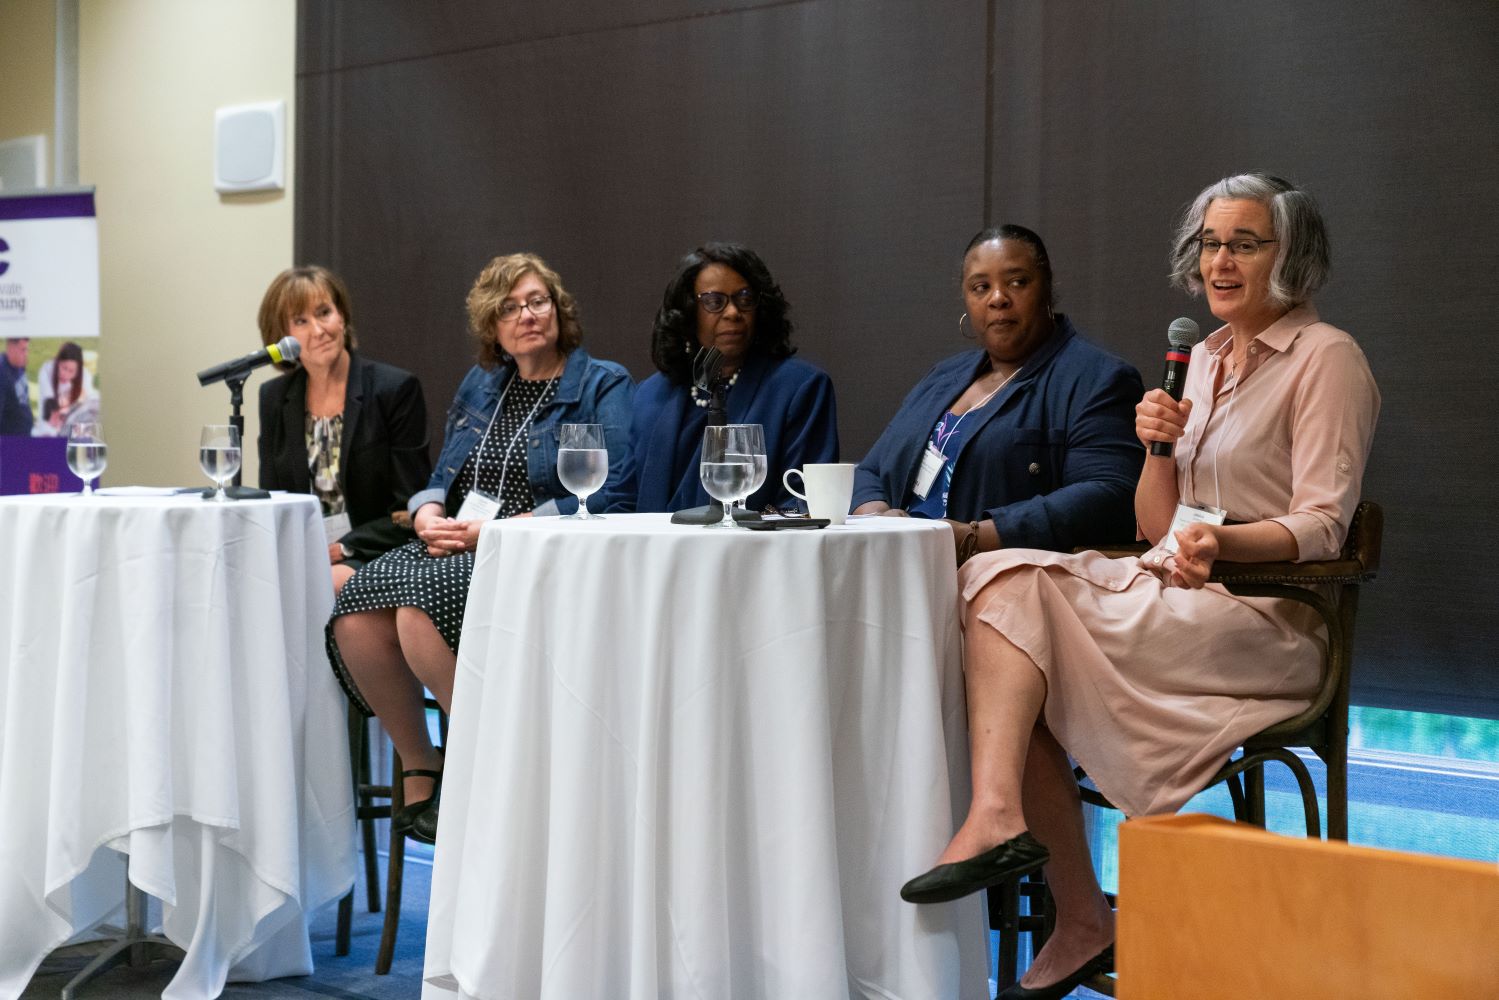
<point>383,456</point>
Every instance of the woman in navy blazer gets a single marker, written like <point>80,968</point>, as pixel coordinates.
<point>1028,441</point>
<point>723,296</point>
<point>350,430</point>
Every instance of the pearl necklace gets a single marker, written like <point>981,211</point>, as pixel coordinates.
<point>701,401</point>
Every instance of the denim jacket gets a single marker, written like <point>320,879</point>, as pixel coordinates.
<point>591,392</point>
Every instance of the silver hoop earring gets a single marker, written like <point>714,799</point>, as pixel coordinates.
<point>962,318</point>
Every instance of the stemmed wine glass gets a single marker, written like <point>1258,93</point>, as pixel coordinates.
<point>582,465</point>
<point>87,452</point>
<point>728,467</point>
<point>754,440</point>
<point>219,455</point>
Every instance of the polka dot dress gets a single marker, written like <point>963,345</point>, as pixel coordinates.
<point>438,585</point>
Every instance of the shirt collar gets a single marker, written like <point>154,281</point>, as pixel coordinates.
<point>1278,336</point>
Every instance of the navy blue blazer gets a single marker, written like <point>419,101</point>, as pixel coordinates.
<point>791,399</point>
<point>1054,460</point>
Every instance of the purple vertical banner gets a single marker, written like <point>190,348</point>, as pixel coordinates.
<point>49,334</point>
<point>36,465</point>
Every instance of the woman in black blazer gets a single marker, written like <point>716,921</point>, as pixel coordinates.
<point>351,431</point>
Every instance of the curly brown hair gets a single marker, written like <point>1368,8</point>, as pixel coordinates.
<point>488,295</point>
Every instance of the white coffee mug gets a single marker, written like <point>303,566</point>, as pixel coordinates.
<point>830,489</point>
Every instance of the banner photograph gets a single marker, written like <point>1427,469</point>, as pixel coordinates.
<point>49,331</point>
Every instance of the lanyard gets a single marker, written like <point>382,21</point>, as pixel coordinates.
<point>951,431</point>
<point>520,431</point>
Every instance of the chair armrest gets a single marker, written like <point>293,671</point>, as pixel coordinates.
<point>1358,562</point>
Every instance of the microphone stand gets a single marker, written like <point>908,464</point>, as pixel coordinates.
<point>236,386</point>
<point>718,416</point>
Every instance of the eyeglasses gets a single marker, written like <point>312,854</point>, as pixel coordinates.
<point>540,306</point>
<point>715,302</point>
<point>1239,246</point>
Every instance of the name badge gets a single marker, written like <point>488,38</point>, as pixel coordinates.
<point>932,462</point>
<point>335,526</point>
<point>478,506</point>
<point>1187,514</point>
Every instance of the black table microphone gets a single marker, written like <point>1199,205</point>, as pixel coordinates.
<point>285,349</point>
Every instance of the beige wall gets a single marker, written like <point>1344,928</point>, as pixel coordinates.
<point>182,268</point>
<point>27,44</point>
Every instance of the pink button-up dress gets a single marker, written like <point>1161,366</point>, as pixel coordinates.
<point>1149,687</point>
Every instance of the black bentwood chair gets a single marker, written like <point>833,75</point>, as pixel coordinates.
<point>1321,727</point>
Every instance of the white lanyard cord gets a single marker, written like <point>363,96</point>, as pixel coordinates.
<point>520,432</point>
<point>976,406</point>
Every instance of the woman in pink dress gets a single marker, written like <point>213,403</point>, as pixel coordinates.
<point>1138,668</point>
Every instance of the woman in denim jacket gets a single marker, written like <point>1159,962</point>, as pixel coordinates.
<point>396,624</point>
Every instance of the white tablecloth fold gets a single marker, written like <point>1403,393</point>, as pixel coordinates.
<point>696,763</point>
<point>164,692</point>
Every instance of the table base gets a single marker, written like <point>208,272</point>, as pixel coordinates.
<point>134,945</point>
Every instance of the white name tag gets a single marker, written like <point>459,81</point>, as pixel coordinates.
<point>1185,515</point>
<point>478,506</point>
<point>932,462</point>
<point>335,526</point>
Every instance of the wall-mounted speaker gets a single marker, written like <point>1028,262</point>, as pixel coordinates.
<point>249,147</point>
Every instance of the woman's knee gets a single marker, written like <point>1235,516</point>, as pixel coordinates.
<point>341,575</point>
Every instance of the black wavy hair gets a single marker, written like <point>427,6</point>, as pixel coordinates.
<point>674,338</point>
<point>1030,239</point>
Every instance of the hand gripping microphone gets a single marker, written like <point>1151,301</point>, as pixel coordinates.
<point>1180,337</point>
<point>286,349</point>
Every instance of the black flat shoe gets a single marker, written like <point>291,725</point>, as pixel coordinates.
<point>424,823</point>
<point>1099,964</point>
<point>1020,855</point>
<point>404,822</point>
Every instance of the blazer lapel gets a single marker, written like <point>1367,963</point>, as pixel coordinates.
<point>294,421</point>
<point>353,402</point>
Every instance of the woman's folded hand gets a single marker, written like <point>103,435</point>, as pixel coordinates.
<point>1191,564</point>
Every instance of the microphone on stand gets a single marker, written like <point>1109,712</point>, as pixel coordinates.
<point>706,369</point>
<point>1180,336</point>
<point>285,349</point>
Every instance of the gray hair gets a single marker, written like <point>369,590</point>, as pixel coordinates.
<point>1302,260</point>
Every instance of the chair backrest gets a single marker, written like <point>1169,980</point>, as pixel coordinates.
<point>1305,582</point>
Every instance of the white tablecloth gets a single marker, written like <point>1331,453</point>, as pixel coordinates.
<point>700,763</point>
<point>164,692</point>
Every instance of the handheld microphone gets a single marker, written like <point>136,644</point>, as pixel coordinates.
<point>1180,337</point>
<point>285,350</point>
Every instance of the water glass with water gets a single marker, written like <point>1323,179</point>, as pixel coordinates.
<point>582,465</point>
<point>219,455</point>
<point>728,467</point>
<point>87,452</point>
<point>754,442</point>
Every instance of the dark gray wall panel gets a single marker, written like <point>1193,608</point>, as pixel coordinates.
<point>859,145</point>
<point>825,135</point>
<point>344,35</point>
<point>1110,117</point>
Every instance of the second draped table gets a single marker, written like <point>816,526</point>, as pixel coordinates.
<point>164,692</point>
<point>701,763</point>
